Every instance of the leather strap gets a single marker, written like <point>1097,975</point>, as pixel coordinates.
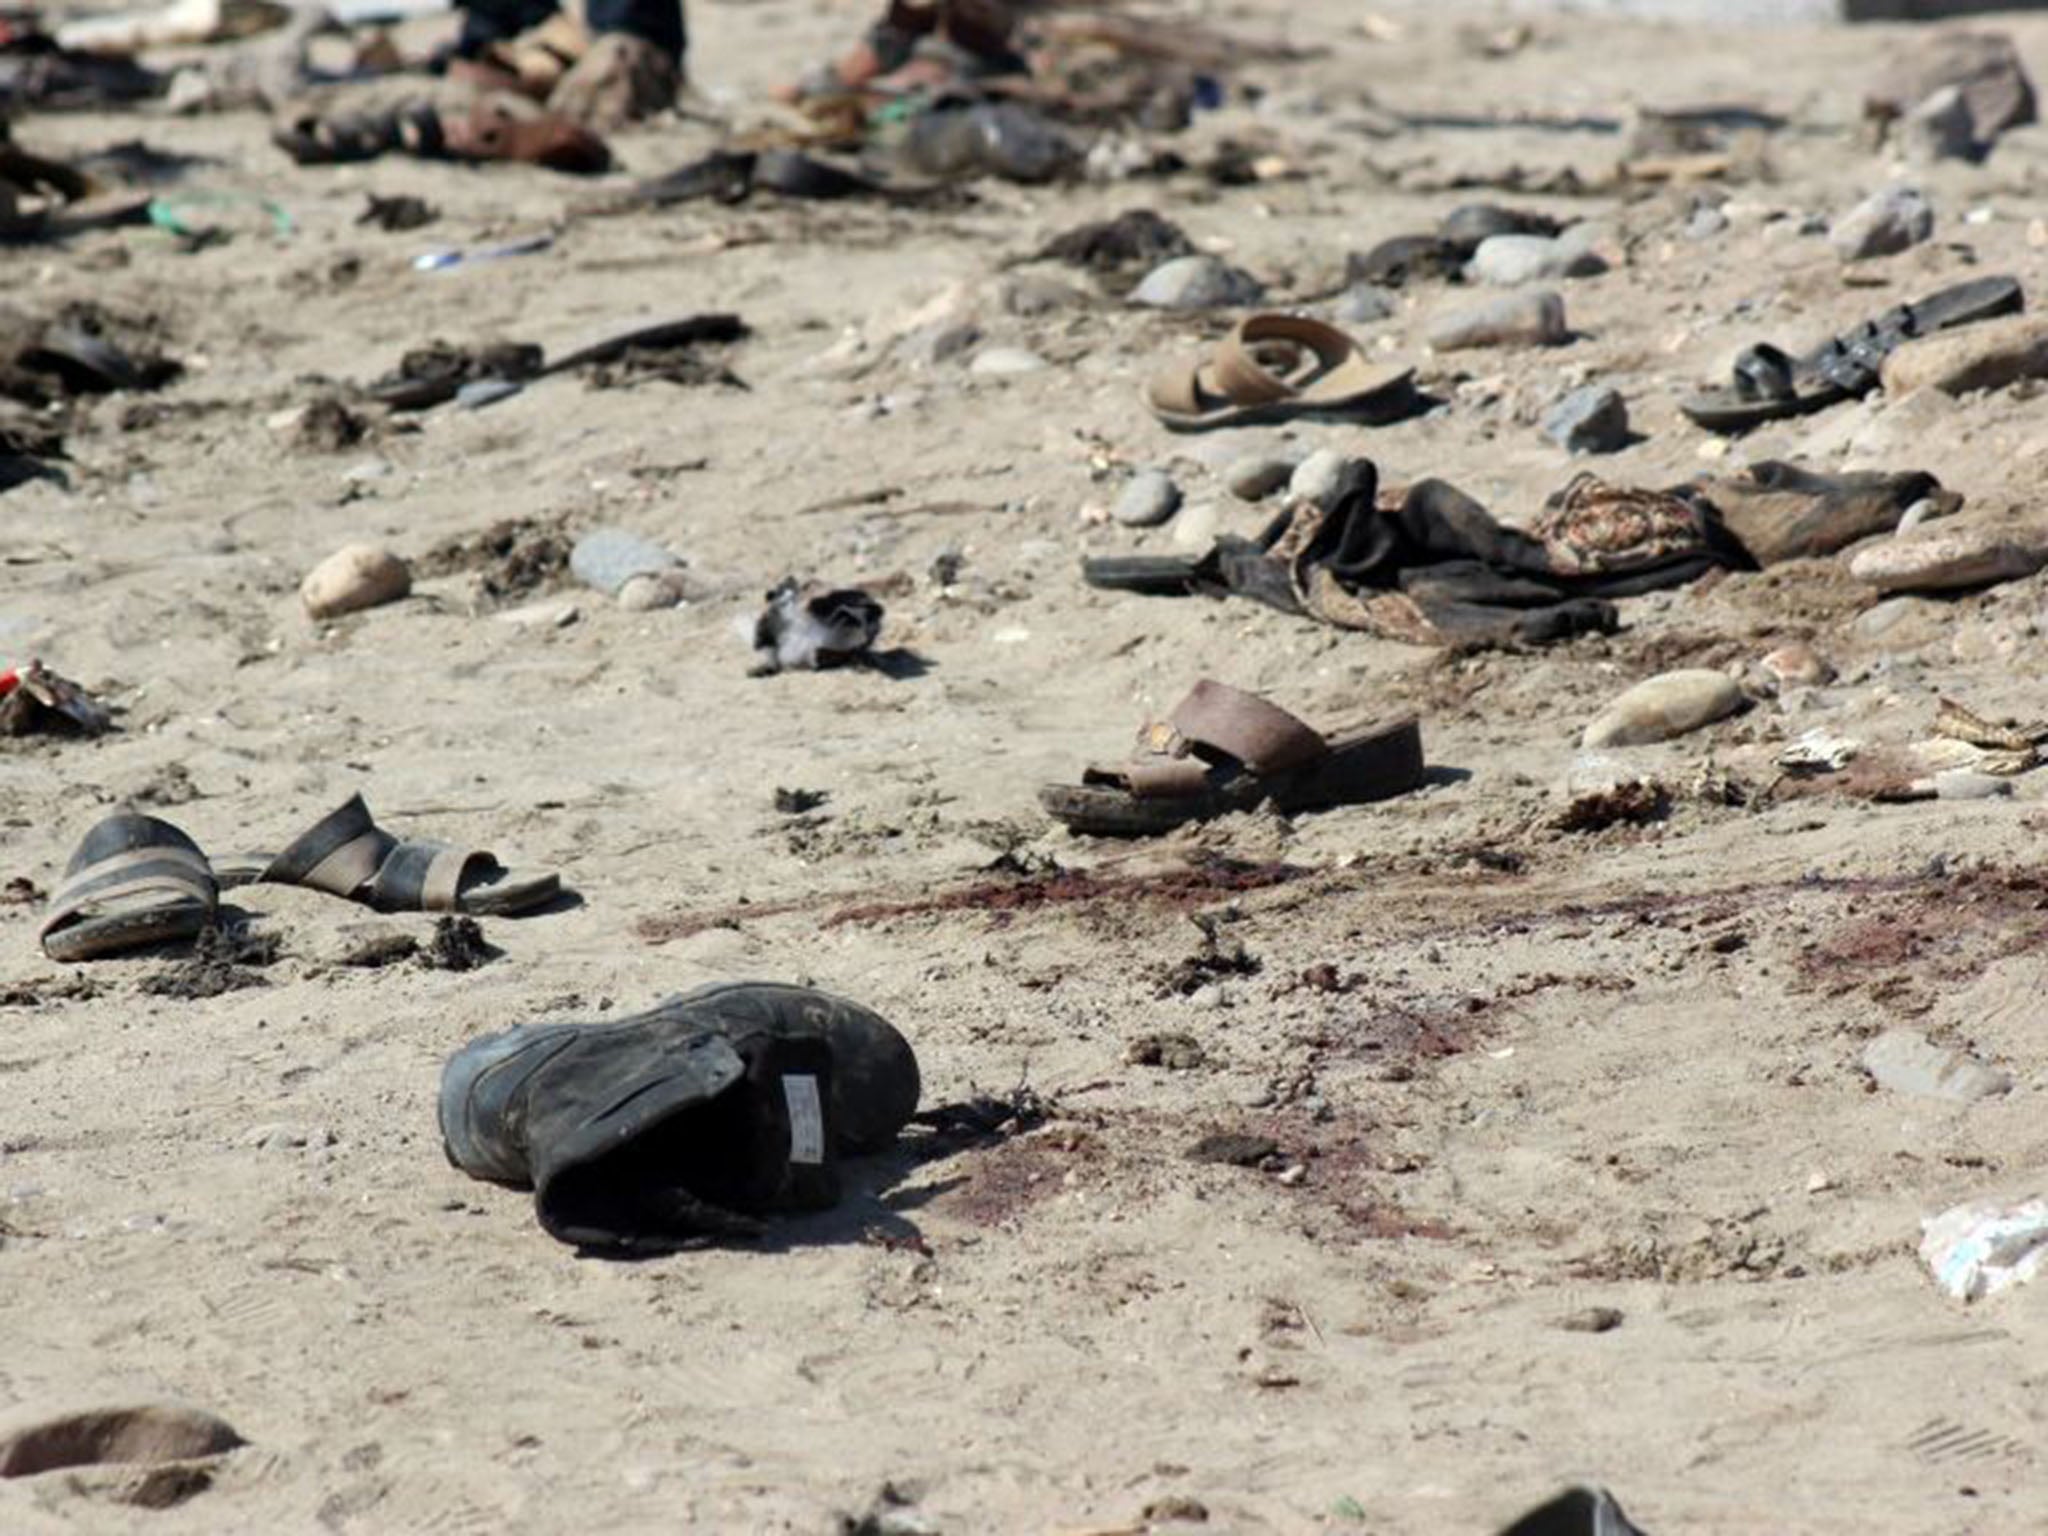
<point>1262,736</point>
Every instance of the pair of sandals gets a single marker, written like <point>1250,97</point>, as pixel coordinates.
<point>138,881</point>
<point>1770,384</point>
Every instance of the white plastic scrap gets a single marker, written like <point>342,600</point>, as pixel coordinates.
<point>1819,750</point>
<point>1980,1249</point>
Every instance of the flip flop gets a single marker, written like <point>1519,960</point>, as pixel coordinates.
<point>347,854</point>
<point>1581,1511</point>
<point>1770,384</point>
<point>134,881</point>
<point>1224,750</point>
<point>1274,368</point>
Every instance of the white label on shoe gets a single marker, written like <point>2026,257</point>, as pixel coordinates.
<point>806,1120</point>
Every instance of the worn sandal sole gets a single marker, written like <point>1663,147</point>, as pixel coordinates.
<point>95,938</point>
<point>1376,763</point>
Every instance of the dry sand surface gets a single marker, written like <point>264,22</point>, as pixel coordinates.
<point>1524,1073</point>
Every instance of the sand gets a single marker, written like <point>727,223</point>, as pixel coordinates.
<point>1512,1074</point>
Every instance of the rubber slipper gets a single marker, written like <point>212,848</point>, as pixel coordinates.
<point>134,881</point>
<point>1274,368</point>
<point>1769,384</point>
<point>1224,750</point>
<point>347,854</point>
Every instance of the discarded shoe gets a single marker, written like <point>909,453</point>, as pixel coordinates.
<point>134,881</point>
<point>1582,1511</point>
<point>1770,384</point>
<point>1274,368</point>
<point>693,1119</point>
<point>1224,750</point>
<point>808,627</point>
<point>347,854</point>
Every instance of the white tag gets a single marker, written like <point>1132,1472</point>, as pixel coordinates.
<point>806,1120</point>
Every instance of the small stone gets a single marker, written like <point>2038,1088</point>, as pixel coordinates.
<point>1148,499</point>
<point>365,470</point>
<point>1665,706</point>
<point>1362,304</point>
<point>1968,784</point>
<point>609,558</point>
<point>647,592</point>
<point>1197,282</point>
<point>939,342</point>
<point>1906,1061</point>
<point>1533,319</point>
<point>1900,622</point>
<point>1705,222</point>
<point>1593,419</point>
<point>1945,558</point>
<point>353,577</point>
<point>1939,128</point>
<point>1883,224</point>
<point>1006,362</point>
<point>1819,1183</point>
<point>1591,1320</point>
<point>1194,530</point>
<point>1509,261</point>
<point>1256,476</point>
<point>1988,355</point>
<point>1292,1175</point>
<point>1030,295</point>
<point>1317,477</point>
<point>1797,665</point>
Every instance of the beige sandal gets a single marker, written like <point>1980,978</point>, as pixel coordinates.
<point>1274,368</point>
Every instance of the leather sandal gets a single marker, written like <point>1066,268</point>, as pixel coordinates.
<point>347,854</point>
<point>134,881</point>
<point>1225,750</point>
<point>1274,368</point>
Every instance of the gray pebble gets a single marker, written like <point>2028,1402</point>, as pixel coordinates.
<point>1256,476</point>
<point>1940,128</point>
<point>1533,319</point>
<point>1968,784</point>
<point>1589,420</point>
<point>1197,282</point>
<point>1149,499</point>
<point>1363,305</point>
<point>1194,530</point>
<point>1318,477</point>
<point>1883,224</point>
<point>1509,261</point>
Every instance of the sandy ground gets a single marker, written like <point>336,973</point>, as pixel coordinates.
<point>1525,1073</point>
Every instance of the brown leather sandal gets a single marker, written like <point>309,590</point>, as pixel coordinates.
<point>1274,368</point>
<point>1224,750</point>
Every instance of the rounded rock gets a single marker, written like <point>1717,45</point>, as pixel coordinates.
<point>1533,319</point>
<point>354,577</point>
<point>1946,558</point>
<point>1318,477</point>
<point>1661,707</point>
<point>1256,476</point>
<point>1197,282</point>
<point>1149,499</point>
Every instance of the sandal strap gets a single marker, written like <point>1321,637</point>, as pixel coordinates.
<point>340,853</point>
<point>1764,372</point>
<point>420,875</point>
<point>1247,380</point>
<point>1261,735</point>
